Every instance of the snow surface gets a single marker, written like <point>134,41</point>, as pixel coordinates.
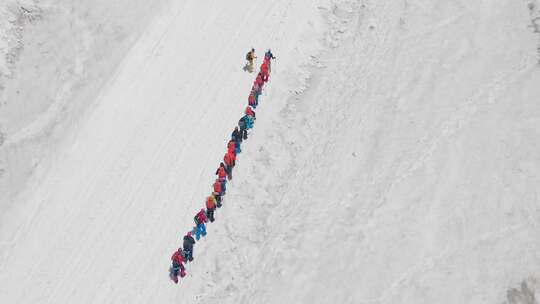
<point>56,56</point>
<point>394,159</point>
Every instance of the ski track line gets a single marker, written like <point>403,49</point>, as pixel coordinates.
<point>32,218</point>
<point>416,37</point>
<point>127,145</point>
<point>77,261</point>
<point>211,77</point>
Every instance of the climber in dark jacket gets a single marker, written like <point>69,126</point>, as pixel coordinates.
<point>243,127</point>
<point>189,241</point>
<point>236,135</point>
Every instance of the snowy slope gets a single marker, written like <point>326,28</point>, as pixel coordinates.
<point>394,160</point>
<point>122,192</point>
<point>55,55</point>
<point>409,166</point>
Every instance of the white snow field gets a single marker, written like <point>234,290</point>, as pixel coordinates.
<point>394,159</point>
<point>56,55</point>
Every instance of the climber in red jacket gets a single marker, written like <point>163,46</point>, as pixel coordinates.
<point>259,81</point>
<point>231,147</point>
<point>178,265</point>
<point>233,157</point>
<point>252,100</point>
<point>200,220</point>
<point>217,187</point>
<point>221,172</point>
<point>249,111</point>
<point>264,72</point>
<point>228,159</point>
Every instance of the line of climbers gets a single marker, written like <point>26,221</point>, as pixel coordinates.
<point>224,172</point>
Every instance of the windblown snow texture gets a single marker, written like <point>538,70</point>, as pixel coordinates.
<point>395,160</point>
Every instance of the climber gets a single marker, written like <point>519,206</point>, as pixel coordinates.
<point>177,265</point>
<point>210,207</point>
<point>250,57</point>
<point>242,125</point>
<point>218,187</point>
<point>259,80</point>
<point>252,100</point>
<point>188,246</point>
<point>221,172</point>
<point>231,147</point>
<point>264,71</point>
<point>249,112</point>
<point>200,220</point>
<point>236,136</point>
<point>217,196</point>
<point>229,159</point>
<point>268,55</point>
<point>248,121</point>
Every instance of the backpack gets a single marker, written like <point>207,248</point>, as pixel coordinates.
<point>248,56</point>
<point>196,219</point>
